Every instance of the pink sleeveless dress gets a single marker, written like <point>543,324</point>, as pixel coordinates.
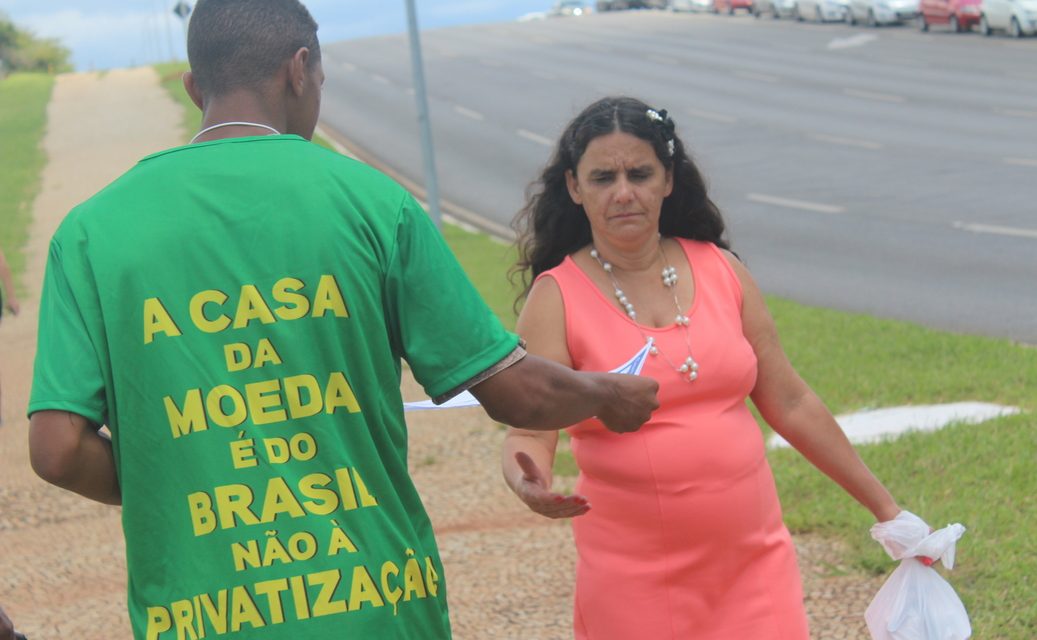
<point>685,538</point>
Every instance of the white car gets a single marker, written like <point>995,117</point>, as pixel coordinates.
<point>820,10</point>
<point>569,8</point>
<point>876,12</point>
<point>1017,17</point>
<point>776,8</point>
<point>698,6</point>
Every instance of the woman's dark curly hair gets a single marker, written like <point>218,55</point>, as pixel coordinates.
<point>551,226</point>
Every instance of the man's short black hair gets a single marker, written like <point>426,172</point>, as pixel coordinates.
<point>234,44</point>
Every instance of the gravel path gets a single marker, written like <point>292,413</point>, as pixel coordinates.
<point>62,570</point>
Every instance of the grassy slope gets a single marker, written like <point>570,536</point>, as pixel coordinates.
<point>981,476</point>
<point>23,117</point>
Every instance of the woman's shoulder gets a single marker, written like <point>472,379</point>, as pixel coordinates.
<point>563,271</point>
<point>705,247</point>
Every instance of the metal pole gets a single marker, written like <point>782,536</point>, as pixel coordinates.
<point>421,97</point>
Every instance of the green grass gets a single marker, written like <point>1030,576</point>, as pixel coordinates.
<point>981,476</point>
<point>171,74</point>
<point>23,118</point>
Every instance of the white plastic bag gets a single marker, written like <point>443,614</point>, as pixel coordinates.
<point>916,603</point>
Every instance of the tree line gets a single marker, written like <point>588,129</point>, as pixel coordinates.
<point>22,50</point>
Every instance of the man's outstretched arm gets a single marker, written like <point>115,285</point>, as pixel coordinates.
<point>537,393</point>
<point>69,451</point>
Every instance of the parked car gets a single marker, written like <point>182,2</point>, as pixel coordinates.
<point>876,12</point>
<point>730,6</point>
<point>775,8</point>
<point>959,15</point>
<point>1017,17</point>
<point>691,5</point>
<point>619,5</point>
<point>820,10</point>
<point>564,8</point>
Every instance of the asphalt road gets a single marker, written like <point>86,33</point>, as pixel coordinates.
<point>883,171</point>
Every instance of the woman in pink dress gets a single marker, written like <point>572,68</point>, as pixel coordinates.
<point>685,539</point>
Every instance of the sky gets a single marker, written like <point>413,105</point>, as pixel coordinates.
<point>106,34</point>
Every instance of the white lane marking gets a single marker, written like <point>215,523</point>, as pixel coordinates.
<point>789,203</point>
<point>1021,162</point>
<point>849,142</point>
<point>349,66</point>
<point>468,113</point>
<point>715,117</point>
<point>545,75</point>
<point>759,77</point>
<point>379,79</point>
<point>661,59</point>
<point>999,230</point>
<point>1015,113</point>
<point>872,95</point>
<point>534,137</point>
<point>858,40</point>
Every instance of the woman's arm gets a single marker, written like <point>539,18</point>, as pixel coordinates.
<point>795,412</point>
<point>528,456</point>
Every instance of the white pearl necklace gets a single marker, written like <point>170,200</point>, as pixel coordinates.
<point>689,369</point>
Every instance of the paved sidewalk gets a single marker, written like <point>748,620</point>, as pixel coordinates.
<point>62,571</point>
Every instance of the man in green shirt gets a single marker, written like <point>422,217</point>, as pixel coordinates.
<point>236,311</point>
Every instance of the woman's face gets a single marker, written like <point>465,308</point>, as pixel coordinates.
<point>621,185</point>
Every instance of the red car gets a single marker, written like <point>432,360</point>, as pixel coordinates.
<point>960,15</point>
<point>729,6</point>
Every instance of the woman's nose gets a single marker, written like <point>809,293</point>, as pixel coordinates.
<point>624,192</point>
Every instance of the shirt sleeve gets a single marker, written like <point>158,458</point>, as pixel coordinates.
<point>444,330</point>
<point>67,374</point>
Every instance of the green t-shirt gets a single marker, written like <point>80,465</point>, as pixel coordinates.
<point>236,312</point>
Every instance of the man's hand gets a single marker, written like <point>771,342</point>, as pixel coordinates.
<point>533,490</point>
<point>631,401</point>
<point>540,394</point>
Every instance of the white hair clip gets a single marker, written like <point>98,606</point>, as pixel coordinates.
<point>670,147</point>
<point>653,115</point>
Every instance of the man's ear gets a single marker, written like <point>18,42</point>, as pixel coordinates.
<point>192,90</point>
<point>297,68</point>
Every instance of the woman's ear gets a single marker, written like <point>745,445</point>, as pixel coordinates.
<point>574,186</point>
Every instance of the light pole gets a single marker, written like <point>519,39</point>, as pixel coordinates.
<point>421,98</point>
<point>183,10</point>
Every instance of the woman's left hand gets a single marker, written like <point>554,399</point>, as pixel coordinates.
<point>533,490</point>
